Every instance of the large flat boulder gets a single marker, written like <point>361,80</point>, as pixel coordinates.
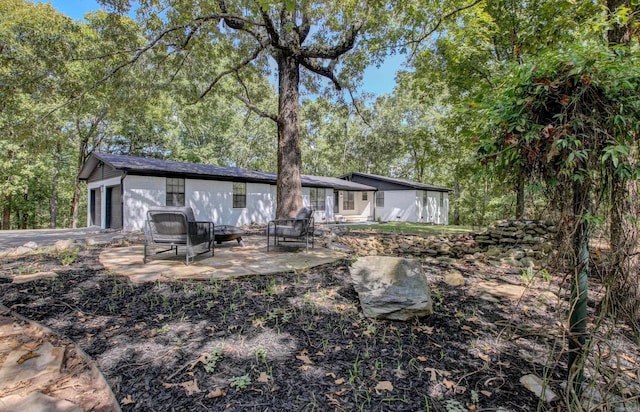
<point>391,288</point>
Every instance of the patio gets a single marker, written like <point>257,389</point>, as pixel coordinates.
<point>230,261</point>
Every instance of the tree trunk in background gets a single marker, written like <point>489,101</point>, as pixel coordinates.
<point>75,204</point>
<point>456,203</point>
<point>6,213</point>
<point>289,186</point>
<point>625,213</point>
<point>55,182</point>
<point>624,280</point>
<point>520,197</point>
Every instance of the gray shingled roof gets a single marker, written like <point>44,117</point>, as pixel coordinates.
<point>406,183</point>
<point>157,167</point>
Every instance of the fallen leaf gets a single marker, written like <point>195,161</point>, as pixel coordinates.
<point>484,357</point>
<point>422,358</point>
<point>459,390</point>
<point>339,381</point>
<point>330,375</point>
<point>264,378</point>
<point>449,384</point>
<point>190,387</point>
<point>384,386</point>
<point>426,329</point>
<point>305,367</point>
<point>29,355</point>
<point>216,393</point>
<point>305,359</point>
<point>486,393</point>
<point>432,372</point>
<point>342,392</point>
<point>127,401</point>
<point>467,328</point>
<point>333,401</point>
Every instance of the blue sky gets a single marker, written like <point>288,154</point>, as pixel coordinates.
<point>377,80</point>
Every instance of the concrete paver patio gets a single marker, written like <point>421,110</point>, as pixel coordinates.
<point>231,260</point>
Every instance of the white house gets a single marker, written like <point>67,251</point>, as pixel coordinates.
<point>405,201</point>
<point>122,188</point>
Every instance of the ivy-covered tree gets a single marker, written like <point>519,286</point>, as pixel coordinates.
<point>570,120</point>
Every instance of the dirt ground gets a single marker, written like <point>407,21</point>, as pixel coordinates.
<point>300,341</point>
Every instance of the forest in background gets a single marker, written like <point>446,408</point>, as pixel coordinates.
<point>69,88</point>
<point>525,109</point>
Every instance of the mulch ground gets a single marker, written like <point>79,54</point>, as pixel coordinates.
<point>300,341</point>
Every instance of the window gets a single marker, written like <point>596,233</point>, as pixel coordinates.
<point>239,195</point>
<point>348,202</point>
<point>379,199</point>
<point>175,191</point>
<point>317,198</point>
<point>425,198</point>
<point>365,196</point>
<point>441,199</point>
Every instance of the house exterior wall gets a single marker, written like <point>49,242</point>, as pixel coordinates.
<point>434,207</point>
<point>104,172</point>
<point>213,200</point>
<point>399,206</point>
<point>101,188</point>
<point>210,200</point>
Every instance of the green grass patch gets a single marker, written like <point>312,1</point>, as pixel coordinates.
<point>417,228</point>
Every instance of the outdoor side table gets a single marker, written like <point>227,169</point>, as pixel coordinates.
<point>225,233</point>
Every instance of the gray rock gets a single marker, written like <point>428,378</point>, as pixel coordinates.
<point>30,245</point>
<point>63,244</point>
<point>454,277</point>
<point>391,288</point>
<point>339,247</point>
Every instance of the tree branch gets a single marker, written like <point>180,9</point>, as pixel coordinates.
<point>437,26</point>
<point>327,72</point>
<point>271,30</point>
<point>247,101</point>
<point>305,28</point>
<point>233,69</point>
<point>333,52</point>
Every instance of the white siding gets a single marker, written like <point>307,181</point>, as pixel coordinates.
<point>139,194</point>
<point>399,206</point>
<point>213,200</point>
<point>432,211</point>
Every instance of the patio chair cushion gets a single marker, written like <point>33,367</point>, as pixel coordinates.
<point>171,227</point>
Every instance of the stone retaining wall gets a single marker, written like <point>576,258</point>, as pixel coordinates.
<point>519,243</point>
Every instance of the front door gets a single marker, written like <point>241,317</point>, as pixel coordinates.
<point>114,208</point>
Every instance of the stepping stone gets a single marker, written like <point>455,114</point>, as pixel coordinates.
<point>36,402</point>
<point>34,276</point>
<point>23,365</point>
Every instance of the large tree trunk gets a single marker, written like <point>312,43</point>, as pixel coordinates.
<point>289,186</point>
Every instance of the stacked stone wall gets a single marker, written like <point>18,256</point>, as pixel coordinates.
<point>520,243</point>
